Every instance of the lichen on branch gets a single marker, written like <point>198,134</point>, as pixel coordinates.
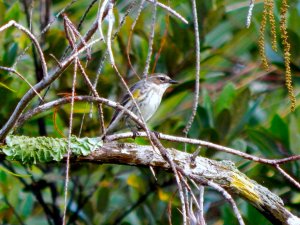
<point>31,150</point>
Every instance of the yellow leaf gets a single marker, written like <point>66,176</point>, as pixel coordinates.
<point>164,196</point>
<point>6,87</point>
<point>136,182</point>
<point>14,174</point>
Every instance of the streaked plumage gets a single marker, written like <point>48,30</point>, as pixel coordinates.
<point>147,94</point>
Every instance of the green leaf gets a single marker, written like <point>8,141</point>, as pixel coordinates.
<point>207,104</point>
<point>10,55</point>
<point>6,87</point>
<point>280,130</point>
<point>104,195</point>
<point>14,174</point>
<point>244,113</point>
<point>223,123</point>
<point>239,144</point>
<point>27,205</point>
<point>13,13</point>
<point>240,106</point>
<point>226,98</point>
<point>294,135</point>
<point>264,142</point>
<point>201,121</point>
<point>228,215</point>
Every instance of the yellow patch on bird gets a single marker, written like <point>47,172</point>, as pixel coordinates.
<point>245,188</point>
<point>136,93</point>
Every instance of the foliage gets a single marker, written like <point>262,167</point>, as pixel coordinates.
<point>42,149</point>
<point>241,106</point>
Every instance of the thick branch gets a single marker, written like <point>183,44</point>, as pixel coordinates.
<point>223,173</point>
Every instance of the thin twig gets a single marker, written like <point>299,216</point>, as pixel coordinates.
<point>249,15</point>
<point>111,21</point>
<point>130,37</point>
<point>101,17</point>
<point>46,28</point>
<point>77,33</point>
<point>162,43</point>
<point>220,189</point>
<point>287,176</point>
<point>171,11</point>
<point>57,72</point>
<point>23,78</point>
<point>101,64</point>
<point>201,203</point>
<point>197,75</point>
<point>85,14</point>
<point>72,40</point>
<point>74,32</point>
<point>151,40</point>
<point>38,87</point>
<point>228,197</point>
<point>190,191</point>
<point>95,93</point>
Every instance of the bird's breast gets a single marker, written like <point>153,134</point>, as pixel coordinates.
<point>151,103</point>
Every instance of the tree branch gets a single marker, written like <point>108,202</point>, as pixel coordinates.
<point>222,173</point>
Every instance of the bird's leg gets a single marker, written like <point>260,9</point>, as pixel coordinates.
<point>103,137</point>
<point>135,134</point>
<point>135,131</point>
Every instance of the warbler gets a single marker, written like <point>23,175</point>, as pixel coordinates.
<point>147,93</point>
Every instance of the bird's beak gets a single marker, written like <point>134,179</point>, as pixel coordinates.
<point>173,81</point>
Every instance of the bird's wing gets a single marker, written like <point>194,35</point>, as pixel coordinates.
<point>126,98</point>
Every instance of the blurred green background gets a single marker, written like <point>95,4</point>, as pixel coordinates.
<point>240,106</point>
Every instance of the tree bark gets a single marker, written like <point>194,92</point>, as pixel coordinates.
<point>223,173</point>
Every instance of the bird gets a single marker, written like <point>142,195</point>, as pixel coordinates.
<point>147,93</point>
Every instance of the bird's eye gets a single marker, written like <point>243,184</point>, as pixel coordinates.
<point>162,79</point>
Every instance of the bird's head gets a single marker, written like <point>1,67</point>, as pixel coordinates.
<point>161,80</point>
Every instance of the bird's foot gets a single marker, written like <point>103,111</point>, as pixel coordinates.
<point>134,134</point>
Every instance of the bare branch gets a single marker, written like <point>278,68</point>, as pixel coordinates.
<point>101,17</point>
<point>38,87</point>
<point>130,37</point>
<point>170,10</point>
<point>33,39</point>
<point>287,176</point>
<point>228,197</point>
<point>250,10</point>
<point>197,75</point>
<point>72,40</point>
<point>111,21</point>
<point>151,40</point>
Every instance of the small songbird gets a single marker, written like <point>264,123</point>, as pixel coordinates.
<point>147,93</point>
